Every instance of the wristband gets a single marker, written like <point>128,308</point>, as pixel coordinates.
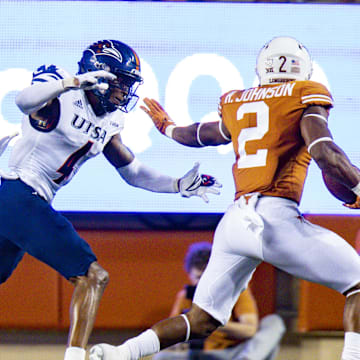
<point>71,83</point>
<point>326,138</point>
<point>198,135</point>
<point>169,130</point>
<point>356,189</point>
<point>139,175</point>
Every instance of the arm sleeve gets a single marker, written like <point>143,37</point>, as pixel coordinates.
<point>139,175</point>
<point>47,84</point>
<point>314,93</point>
<point>36,96</point>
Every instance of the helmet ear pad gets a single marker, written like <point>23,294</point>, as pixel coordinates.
<point>283,59</point>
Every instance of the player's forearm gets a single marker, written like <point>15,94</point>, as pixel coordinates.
<point>38,95</point>
<point>186,135</point>
<point>333,161</point>
<point>141,176</point>
<point>199,134</point>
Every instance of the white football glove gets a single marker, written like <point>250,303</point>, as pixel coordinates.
<point>195,184</point>
<point>4,142</point>
<point>89,81</point>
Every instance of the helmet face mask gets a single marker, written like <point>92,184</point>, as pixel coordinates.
<point>283,59</point>
<point>121,60</point>
<point>122,92</point>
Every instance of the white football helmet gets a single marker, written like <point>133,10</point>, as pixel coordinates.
<point>282,59</point>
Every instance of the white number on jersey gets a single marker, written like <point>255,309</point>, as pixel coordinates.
<point>254,133</point>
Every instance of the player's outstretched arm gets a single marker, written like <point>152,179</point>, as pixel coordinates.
<point>139,175</point>
<point>331,159</point>
<point>38,95</point>
<point>194,135</point>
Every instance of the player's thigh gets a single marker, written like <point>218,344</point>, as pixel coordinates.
<point>313,253</point>
<point>238,233</point>
<point>225,277</point>
<point>35,227</point>
<point>10,255</point>
<point>54,241</point>
<point>221,284</point>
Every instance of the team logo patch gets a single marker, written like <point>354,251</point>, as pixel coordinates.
<point>43,125</point>
<point>107,48</point>
<point>46,121</point>
<point>207,180</point>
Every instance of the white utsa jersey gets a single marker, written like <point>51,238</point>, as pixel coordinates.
<point>50,153</point>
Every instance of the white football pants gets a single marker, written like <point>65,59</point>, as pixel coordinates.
<point>271,229</point>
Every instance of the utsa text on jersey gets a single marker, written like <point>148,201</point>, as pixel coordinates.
<point>95,132</point>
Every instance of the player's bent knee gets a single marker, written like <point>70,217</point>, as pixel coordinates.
<point>202,324</point>
<point>98,274</point>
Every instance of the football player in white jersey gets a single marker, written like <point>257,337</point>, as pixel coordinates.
<point>68,120</point>
<point>275,129</point>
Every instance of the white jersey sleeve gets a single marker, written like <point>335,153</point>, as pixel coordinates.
<point>47,73</point>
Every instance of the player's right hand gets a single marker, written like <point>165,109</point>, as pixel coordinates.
<point>89,81</point>
<point>195,184</point>
<point>158,115</point>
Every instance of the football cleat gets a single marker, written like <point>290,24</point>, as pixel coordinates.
<point>96,353</point>
<point>109,352</point>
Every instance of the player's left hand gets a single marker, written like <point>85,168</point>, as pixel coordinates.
<point>4,142</point>
<point>355,205</point>
<point>195,184</point>
<point>158,115</point>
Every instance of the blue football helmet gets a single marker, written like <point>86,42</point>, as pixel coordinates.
<point>119,59</point>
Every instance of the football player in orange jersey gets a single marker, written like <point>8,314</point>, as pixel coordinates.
<point>275,128</point>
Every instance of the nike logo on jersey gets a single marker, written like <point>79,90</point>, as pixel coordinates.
<point>87,127</point>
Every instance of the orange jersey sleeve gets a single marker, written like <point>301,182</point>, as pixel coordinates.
<point>264,124</point>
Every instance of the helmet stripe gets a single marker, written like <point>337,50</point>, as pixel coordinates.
<point>137,61</point>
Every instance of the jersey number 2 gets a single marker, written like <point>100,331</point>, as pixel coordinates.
<point>253,133</point>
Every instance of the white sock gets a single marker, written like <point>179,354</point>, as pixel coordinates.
<point>351,349</point>
<point>147,343</point>
<point>75,353</point>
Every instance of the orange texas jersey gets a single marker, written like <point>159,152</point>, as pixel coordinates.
<point>264,123</point>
